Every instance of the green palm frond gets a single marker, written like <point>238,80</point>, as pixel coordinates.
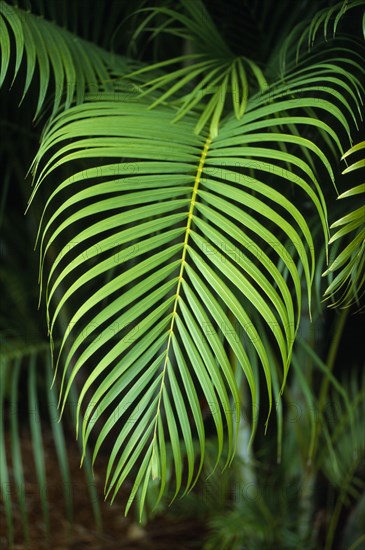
<point>192,233</point>
<point>322,28</point>
<point>67,66</point>
<point>207,78</point>
<point>348,286</point>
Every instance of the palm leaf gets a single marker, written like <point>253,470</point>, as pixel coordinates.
<point>187,228</point>
<point>321,29</point>
<point>167,257</point>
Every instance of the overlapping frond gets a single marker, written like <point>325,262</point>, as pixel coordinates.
<point>27,407</point>
<point>348,286</point>
<point>325,26</point>
<point>100,23</point>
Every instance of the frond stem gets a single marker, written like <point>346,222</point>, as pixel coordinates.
<point>180,279</point>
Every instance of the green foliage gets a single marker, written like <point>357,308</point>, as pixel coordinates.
<point>184,218</point>
<point>349,283</point>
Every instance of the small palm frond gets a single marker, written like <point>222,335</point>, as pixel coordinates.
<point>348,286</point>
<point>68,67</point>
<point>212,72</point>
<point>343,461</point>
<point>219,81</point>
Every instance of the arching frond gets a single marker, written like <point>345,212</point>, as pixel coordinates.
<point>194,243</point>
<point>220,81</point>
<point>328,19</point>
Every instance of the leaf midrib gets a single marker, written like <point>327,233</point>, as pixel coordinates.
<point>180,279</point>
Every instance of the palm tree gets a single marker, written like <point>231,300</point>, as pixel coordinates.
<point>185,197</point>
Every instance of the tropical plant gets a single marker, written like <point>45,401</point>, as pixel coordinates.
<point>183,206</point>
